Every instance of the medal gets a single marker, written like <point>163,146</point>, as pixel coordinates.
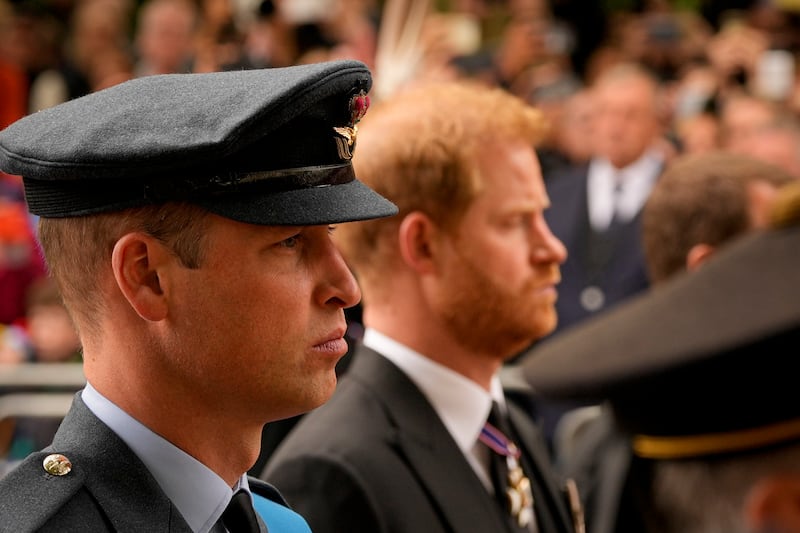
<point>518,492</point>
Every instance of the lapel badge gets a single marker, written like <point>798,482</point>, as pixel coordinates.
<point>56,464</point>
<point>345,143</point>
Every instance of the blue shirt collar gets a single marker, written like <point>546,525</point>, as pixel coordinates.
<point>198,493</point>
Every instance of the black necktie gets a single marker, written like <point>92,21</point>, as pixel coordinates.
<point>240,516</point>
<point>616,216</point>
<point>512,489</point>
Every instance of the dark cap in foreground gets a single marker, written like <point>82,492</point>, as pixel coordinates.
<point>268,146</point>
<point>700,365</point>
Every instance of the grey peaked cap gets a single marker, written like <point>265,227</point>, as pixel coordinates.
<point>259,146</point>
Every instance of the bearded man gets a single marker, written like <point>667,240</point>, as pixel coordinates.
<point>462,280</point>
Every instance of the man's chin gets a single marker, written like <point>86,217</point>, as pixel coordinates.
<point>546,321</point>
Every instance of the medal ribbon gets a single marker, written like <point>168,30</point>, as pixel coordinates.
<point>497,441</point>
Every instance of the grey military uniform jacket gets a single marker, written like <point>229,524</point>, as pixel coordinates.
<point>107,489</point>
<point>602,463</point>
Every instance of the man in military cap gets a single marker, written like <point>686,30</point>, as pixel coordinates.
<point>699,376</point>
<point>186,219</point>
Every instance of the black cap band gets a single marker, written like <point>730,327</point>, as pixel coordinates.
<point>57,199</point>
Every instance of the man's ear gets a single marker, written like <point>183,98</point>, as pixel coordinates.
<point>773,504</point>
<point>697,255</point>
<point>136,260</point>
<point>416,236</point>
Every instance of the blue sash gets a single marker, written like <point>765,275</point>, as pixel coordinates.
<point>279,518</point>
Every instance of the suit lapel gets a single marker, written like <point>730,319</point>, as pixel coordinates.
<point>427,447</point>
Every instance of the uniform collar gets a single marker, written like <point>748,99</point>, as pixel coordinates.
<point>196,491</point>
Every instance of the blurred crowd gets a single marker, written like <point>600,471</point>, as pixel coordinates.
<point>725,73</point>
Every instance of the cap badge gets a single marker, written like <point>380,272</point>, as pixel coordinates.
<point>345,144</point>
<point>56,464</point>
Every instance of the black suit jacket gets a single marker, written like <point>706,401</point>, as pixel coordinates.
<point>614,264</point>
<point>377,459</point>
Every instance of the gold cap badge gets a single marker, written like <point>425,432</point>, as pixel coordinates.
<point>346,141</point>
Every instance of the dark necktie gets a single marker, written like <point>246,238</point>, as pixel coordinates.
<point>240,516</point>
<point>512,488</point>
<point>616,216</point>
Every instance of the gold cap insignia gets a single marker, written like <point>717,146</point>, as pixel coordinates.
<point>345,144</point>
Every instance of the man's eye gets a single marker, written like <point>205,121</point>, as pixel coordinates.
<point>517,221</point>
<point>291,242</point>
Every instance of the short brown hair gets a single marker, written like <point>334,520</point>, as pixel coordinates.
<point>700,199</point>
<point>78,249</point>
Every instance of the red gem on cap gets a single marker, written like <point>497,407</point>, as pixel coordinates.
<point>358,107</point>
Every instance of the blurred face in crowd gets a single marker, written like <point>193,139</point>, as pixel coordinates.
<point>164,36</point>
<point>502,261</point>
<point>52,334</point>
<point>698,133</point>
<point>742,118</point>
<point>625,118</point>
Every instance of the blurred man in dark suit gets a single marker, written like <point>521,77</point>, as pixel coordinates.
<point>596,206</point>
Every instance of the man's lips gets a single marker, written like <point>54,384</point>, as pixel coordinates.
<point>552,284</point>
<point>333,342</point>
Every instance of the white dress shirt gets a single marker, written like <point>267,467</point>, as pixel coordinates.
<point>461,404</point>
<point>635,183</point>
